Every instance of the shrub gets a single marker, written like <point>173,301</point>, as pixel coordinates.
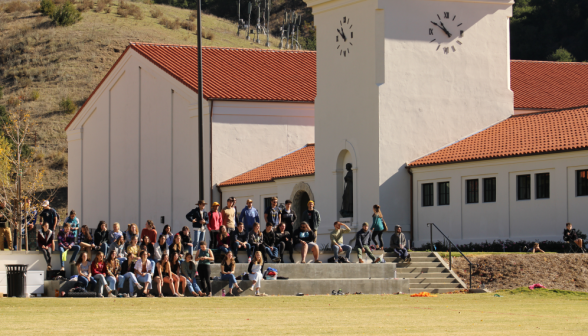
<point>86,5</point>
<point>67,105</point>
<point>35,95</point>
<point>189,25</point>
<point>59,161</point>
<point>1,92</point>
<point>167,23</point>
<point>66,15</point>
<point>15,6</point>
<point>100,5</point>
<point>207,34</point>
<point>122,12</point>
<point>47,7</point>
<point>193,16</point>
<point>107,10</point>
<point>136,12</point>
<point>156,13</point>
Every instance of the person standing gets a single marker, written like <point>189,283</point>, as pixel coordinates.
<point>5,227</point>
<point>101,238</point>
<point>269,241</point>
<point>236,217</point>
<point>337,241</point>
<point>228,214</point>
<point>204,258</point>
<point>362,243</point>
<point>312,217</point>
<point>215,220</point>
<point>273,213</point>
<point>149,231</point>
<point>249,216</point>
<point>45,242</point>
<point>284,242</point>
<point>398,244</point>
<point>67,239</point>
<point>239,241</point>
<point>378,227</point>
<point>49,215</point>
<point>288,216</point>
<point>199,219</point>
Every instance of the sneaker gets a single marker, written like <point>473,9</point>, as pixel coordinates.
<point>138,285</point>
<point>292,260</point>
<point>318,262</point>
<point>249,260</point>
<point>135,295</point>
<point>125,295</point>
<point>276,260</point>
<point>110,295</point>
<point>361,261</point>
<point>335,261</point>
<point>236,260</point>
<point>333,292</point>
<point>251,288</point>
<point>347,261</point>
<point>239,290</point>
<point>100,295</point>
<point>409,259</point>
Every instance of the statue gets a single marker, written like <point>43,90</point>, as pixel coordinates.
<point>347,206</point>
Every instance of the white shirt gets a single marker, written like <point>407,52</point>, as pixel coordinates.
<point>139,265</point>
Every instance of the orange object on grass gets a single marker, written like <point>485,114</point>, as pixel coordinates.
<point>423,294</point>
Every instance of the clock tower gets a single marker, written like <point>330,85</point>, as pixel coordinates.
<point>396,80</point>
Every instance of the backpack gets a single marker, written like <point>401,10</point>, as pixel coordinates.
<point>270,274</point>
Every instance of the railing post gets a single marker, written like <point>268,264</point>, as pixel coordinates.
<point>431,231</point>
<point>450,257</point>
<point>470,275</point>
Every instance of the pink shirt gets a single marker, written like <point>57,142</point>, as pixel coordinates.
<point>215,220</point>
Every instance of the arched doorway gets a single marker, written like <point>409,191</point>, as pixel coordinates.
<point>301,194</point>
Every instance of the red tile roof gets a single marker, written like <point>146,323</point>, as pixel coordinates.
<point>524,134</point>
<point>234,73</point>
<point>297,163</point>
<point>549,85</point>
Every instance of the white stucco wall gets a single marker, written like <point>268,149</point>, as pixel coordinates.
<point>133,150</point>
<point>395,98</point>
<point>507,218</point>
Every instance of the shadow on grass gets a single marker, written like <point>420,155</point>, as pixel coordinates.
<point>543,292</point>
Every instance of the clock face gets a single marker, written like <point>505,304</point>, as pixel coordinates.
<point>344,36</point>
<point>446,31</point>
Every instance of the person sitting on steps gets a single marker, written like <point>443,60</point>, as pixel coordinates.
<point>398,244</point>
<point>239,241</point>
<point>284,242</point>
<point>269,242</point>
<point>362,243</point>
<point>337,241</point>
<point>304,240</point>
<point>571,236</point>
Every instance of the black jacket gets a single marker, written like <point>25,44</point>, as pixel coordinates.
<point>269,238</point>
<point>363,238</point>
<point>186,239</point>
<point>126,268</point>
<point>195,214</point>
<point>289,219</point>
<point>251,265</point>
<point>308,239</point>
<point>100,237</point>
<point>242,237</point>
<point>281,237</point>
<point>255,238</point>
<point>570,235</point>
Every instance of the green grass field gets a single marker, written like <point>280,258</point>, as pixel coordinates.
<point>519,312</point>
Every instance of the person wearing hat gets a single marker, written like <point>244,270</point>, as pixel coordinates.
<point>398,244</point>
<point>313,218</point>
<point>249,216</point>
<point>48,215</point>
<point>215,220</point>
<point>362,243</point>
<point>199,219</point>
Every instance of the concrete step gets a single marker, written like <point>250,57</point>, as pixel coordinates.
<point>442,275</point>
<point>323,271</point>
<point>434,285</point>
<point>433,290</point>
<point>421,269</point>
<point>318,286</point>
<point>431,280</point>
<point>412,254</point>
<point>418,264</point>
<point>413,259</point>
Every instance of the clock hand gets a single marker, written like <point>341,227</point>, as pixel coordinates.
<point>342,34</point>
<point>344,37</point>
<point>442,27</point>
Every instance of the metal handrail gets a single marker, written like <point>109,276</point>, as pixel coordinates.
<point>430,225</point>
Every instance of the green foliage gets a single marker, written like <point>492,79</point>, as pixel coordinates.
<point>540,29</point>
<point>561,55</point>
<point>5,120</point>
<point>6,154</point>
<point>67,105</point>
<point>1,92</point>
<point>35,95</point>
<point>47,7</point>
<point>66,15</point>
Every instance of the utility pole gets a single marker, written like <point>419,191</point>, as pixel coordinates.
<point>267,32</point>
<point>200,111</point>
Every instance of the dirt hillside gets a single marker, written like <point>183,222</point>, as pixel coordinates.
<point>508,271</point>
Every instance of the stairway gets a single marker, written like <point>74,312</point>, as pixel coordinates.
<point>427,272</point>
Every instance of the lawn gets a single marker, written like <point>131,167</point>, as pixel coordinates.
<point>516,312</point>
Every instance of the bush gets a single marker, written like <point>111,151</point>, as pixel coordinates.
<point>193,16</point>
<point>86,5</point>
<point>156,13</point>
<point>561,55</point>
<point>207,34</point>
<point>47,7</point>
<point>136,12</point>
<point>167,23</point>
<point>100,5</point>
<point>35,95</point>
<point>189,25</point>
<point>122,12</point>
<point>500,246</point>
<point>66,15</point>
<point>67,105</point>
<point>1,92</point>
<point>59,161</point>
<point>15,6</point>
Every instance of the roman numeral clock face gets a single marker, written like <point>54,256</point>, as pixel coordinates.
<point>446,31</point>
<point>344,36</point>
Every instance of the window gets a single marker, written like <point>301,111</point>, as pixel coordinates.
<point>472,191</point>
<point>427,194</point>
<point>523,187</point>
<point>582,182</point>
<point>443,190</point>
<point>542,185</point>
<point>490,189</point>
<point>267,203</point>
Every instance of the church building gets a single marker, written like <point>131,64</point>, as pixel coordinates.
<point>412,105</point>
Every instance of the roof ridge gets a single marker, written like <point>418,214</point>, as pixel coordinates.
<point>554,62</point>
<point>133,43</point>
<point>548,111</point>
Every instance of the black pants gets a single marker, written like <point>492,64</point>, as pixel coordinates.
<point>47,255</point>
<point>213,241</point>
<point>257,247</point>
<point>204,274</point>
<point>377,234</point>
<point>282,246</point>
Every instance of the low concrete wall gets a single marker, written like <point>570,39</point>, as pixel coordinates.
<point>323,271</point>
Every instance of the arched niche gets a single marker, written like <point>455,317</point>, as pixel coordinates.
<point>301,194</point>
<point>345,156</point>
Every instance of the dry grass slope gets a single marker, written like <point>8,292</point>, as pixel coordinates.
<point>48,65</point>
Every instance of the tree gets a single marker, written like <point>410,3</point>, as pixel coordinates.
<point>561,55</point>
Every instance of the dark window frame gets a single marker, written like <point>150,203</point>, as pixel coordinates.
<point>428,195</point>
<point>489,189</point>
<point>523,187</point>
<point>581,182</point>
<point>443,197</point>
<point>472,191</point>
<point>542,186</point>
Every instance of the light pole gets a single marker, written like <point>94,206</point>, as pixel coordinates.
<point>200,96</point>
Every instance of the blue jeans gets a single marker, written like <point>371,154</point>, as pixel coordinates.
<point>112,281</point>
<point>146,278</point>
<point>223,249</point>
<point>402,253</point>
<point>346,248</point>
<point>132,281</point>
<point>198,236</point>
<point>189,248</point>
<point>84,283</point>
<point>230,278</point>
<point>103,248</point>
<point>236,249</point>
<point>101,282</point>
<point>121,260</point>
<point>74,248</point>
<point>272,252</point>
<point>192,285</point>
<point>153,268</point>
